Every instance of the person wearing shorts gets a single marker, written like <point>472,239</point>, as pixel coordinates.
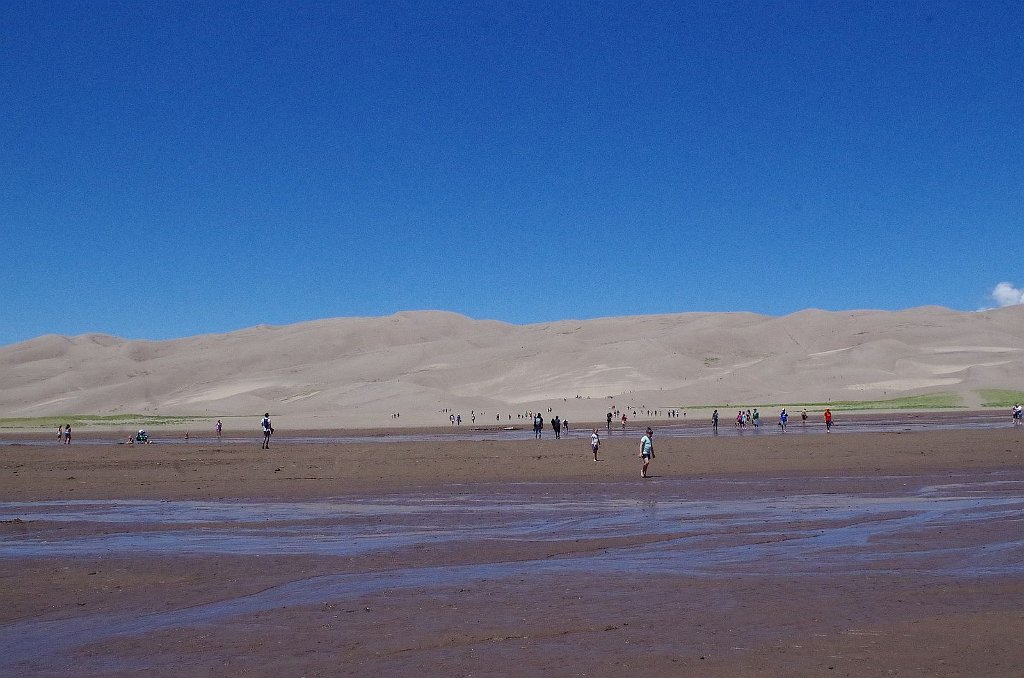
<point>646,451</point>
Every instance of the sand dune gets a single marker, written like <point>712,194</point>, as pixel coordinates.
<point>358,371</point>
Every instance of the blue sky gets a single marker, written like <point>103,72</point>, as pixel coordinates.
<point>176,168</point>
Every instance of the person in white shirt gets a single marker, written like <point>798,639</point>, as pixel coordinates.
<point>268,430</point>
<point>595,443</point>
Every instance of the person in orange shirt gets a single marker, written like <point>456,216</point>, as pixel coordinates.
<point>828,420</point>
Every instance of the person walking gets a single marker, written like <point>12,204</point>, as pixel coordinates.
<point>595,443</point>
<point>646,451</point>
<point>783,419</point>
<point>714,422</point>
<point>268,430</point>
<point>828,420</point>
<point>220,428</point>
<point>67,434</point>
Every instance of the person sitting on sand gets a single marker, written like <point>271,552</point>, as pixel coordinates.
<point>646,451</point>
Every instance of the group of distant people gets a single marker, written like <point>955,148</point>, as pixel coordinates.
<point>623,419</point>
<point>753,417</point>
<point>558,426</point>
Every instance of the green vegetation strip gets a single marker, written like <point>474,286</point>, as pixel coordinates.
<point>86,420</point>
<point>995,397</point>
<point>932,401</point>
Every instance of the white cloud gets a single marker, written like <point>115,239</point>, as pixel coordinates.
<point>1006,294</point>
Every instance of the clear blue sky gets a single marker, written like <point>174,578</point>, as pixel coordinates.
<point>176,168</point>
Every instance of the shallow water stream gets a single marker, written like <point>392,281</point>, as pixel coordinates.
<point>966,525</point>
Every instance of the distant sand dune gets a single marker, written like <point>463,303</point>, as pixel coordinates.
<point>902,385</point>
<point>360,371</point>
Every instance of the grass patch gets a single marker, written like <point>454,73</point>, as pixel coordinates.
<point>931,401</point>
<point>87,420</point>
<point>997,397</point>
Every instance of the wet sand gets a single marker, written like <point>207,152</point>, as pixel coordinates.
<point>895,553</point>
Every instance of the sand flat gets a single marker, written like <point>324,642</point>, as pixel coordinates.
<point>853,553</point>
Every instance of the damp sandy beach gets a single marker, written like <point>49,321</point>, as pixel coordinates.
<point>885,550</point>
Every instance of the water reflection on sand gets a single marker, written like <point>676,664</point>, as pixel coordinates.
<point>702,527</point>
<point>953,525</point>
<point>678,428</point>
